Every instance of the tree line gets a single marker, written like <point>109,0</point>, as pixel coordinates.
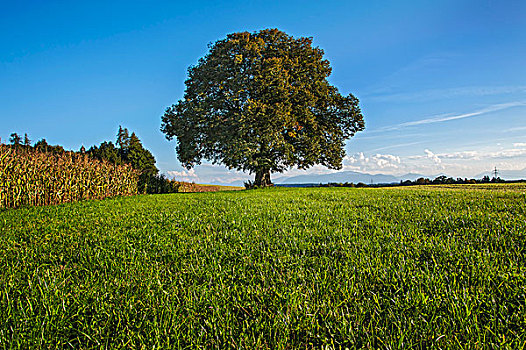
<point>440,180</point>
<point>127,150</point>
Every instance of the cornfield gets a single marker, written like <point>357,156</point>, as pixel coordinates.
<point>29,177</point>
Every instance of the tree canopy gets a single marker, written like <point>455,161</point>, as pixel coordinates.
<point>15,139</point>
<point>261,102</point>
<point>129,150</point>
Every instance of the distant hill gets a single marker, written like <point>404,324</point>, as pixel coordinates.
<point>356,177</point>
<point>343,176</point>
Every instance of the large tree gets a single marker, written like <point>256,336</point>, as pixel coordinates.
<point>261,102</point>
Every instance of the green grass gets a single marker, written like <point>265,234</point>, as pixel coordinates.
<point>280,268</point>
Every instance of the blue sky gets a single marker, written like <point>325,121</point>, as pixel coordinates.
<point>442,84</point>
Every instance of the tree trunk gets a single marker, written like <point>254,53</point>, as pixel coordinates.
<point>262,178</point>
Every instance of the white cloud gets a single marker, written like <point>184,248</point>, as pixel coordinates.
<point>480,155</point>
<point>228,179</point>
<point>519,144</point>
<point>375,163</point>
<point>466,163</point>
<point>432,156</point>
<point>508,153</point>
<point>474,155</point>
<point>184,175</point>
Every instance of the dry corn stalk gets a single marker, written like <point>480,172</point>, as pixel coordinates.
<point>29,177</point>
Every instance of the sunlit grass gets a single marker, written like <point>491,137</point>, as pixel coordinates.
<point>279,268</point>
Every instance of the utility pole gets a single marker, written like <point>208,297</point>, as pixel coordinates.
<point>495,173</point>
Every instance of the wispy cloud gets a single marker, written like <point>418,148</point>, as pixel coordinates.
<point>407,135</point>
<point>515,129</point>
<point>448,117</point>
<point>396,146</point>
<point>418,67</point>
<point>442,94</point>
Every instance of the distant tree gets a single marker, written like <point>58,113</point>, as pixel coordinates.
<point>41,145</point>
<point>261,102</point>
<point>106,151</point>
<point>139,157</point>
<point>422,181</point>
<point>27,141</point>
<point>440,180</point>
<point>123,138</point>
<point>129,150</point>
<point>15,139</point>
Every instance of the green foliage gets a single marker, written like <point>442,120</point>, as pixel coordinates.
<point>27,141</point>
<point>43,146</point>
<point>123,138</point>
<point>130,151</point>
<point>139,157</point>
<point>444,180</point>
<point>155,184</point>
<point>395,268</point>
<point>261,102</point>
<point>15,139</point>
<point>106,151</point>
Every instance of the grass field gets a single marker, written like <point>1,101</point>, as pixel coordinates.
<point>279,268</point>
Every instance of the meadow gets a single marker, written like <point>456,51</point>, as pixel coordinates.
<point>280,268</point>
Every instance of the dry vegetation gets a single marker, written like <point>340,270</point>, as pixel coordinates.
<point>29,177</point>
<point>193,187</point>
